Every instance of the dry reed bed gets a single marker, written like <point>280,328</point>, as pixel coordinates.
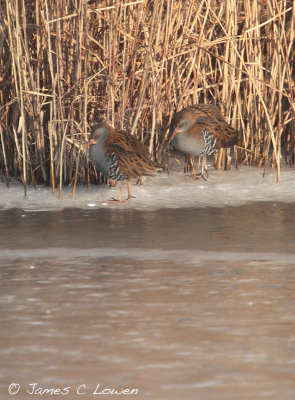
<point>65,64</point>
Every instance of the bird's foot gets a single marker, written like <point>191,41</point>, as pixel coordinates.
<point>113,200</point>
<point>200,175</point>
<point>205,176</point>
<point>128,198</point>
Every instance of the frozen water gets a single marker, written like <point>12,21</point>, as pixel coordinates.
<point>141,255</point>
<point>163,293</point>
<point>173,190</point>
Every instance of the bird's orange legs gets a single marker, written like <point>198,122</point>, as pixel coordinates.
<point>120,200</point>
<point>204,170</point>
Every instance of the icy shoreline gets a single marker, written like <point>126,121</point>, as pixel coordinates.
<point>193,256</point>
<point>174,190</point>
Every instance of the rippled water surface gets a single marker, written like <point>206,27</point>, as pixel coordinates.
<point>184,303</point>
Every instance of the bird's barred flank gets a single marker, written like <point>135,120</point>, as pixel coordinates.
<point>210,142</point>
<point>115,173</point>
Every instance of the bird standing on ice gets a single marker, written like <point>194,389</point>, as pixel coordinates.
<point>119,156</point>
<point>201,129</point>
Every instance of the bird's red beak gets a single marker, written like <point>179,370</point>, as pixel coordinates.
<point>89,143</point>
<point>174,133</point>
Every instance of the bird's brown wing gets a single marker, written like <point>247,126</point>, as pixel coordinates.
<point>130,142</point>
<point>206,111</point>
<point>131,154</point>
<point>225,134</point>
<point>210,117</point>
<point>133,164</point>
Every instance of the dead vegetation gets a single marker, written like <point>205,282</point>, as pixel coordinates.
<point>66,64</point>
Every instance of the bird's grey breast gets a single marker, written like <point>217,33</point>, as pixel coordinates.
<point>99,158</point>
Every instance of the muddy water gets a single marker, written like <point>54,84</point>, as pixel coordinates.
<point>169,304</point>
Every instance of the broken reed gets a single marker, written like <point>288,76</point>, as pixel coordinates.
<point>66,64</point>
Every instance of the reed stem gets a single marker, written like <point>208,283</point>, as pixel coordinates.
<point>133,64</point>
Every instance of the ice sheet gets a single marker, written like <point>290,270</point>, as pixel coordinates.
<point>194,257</point>
<point>176,189</point>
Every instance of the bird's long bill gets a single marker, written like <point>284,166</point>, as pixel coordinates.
<point>89,143</point>
<point>174,133</point>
